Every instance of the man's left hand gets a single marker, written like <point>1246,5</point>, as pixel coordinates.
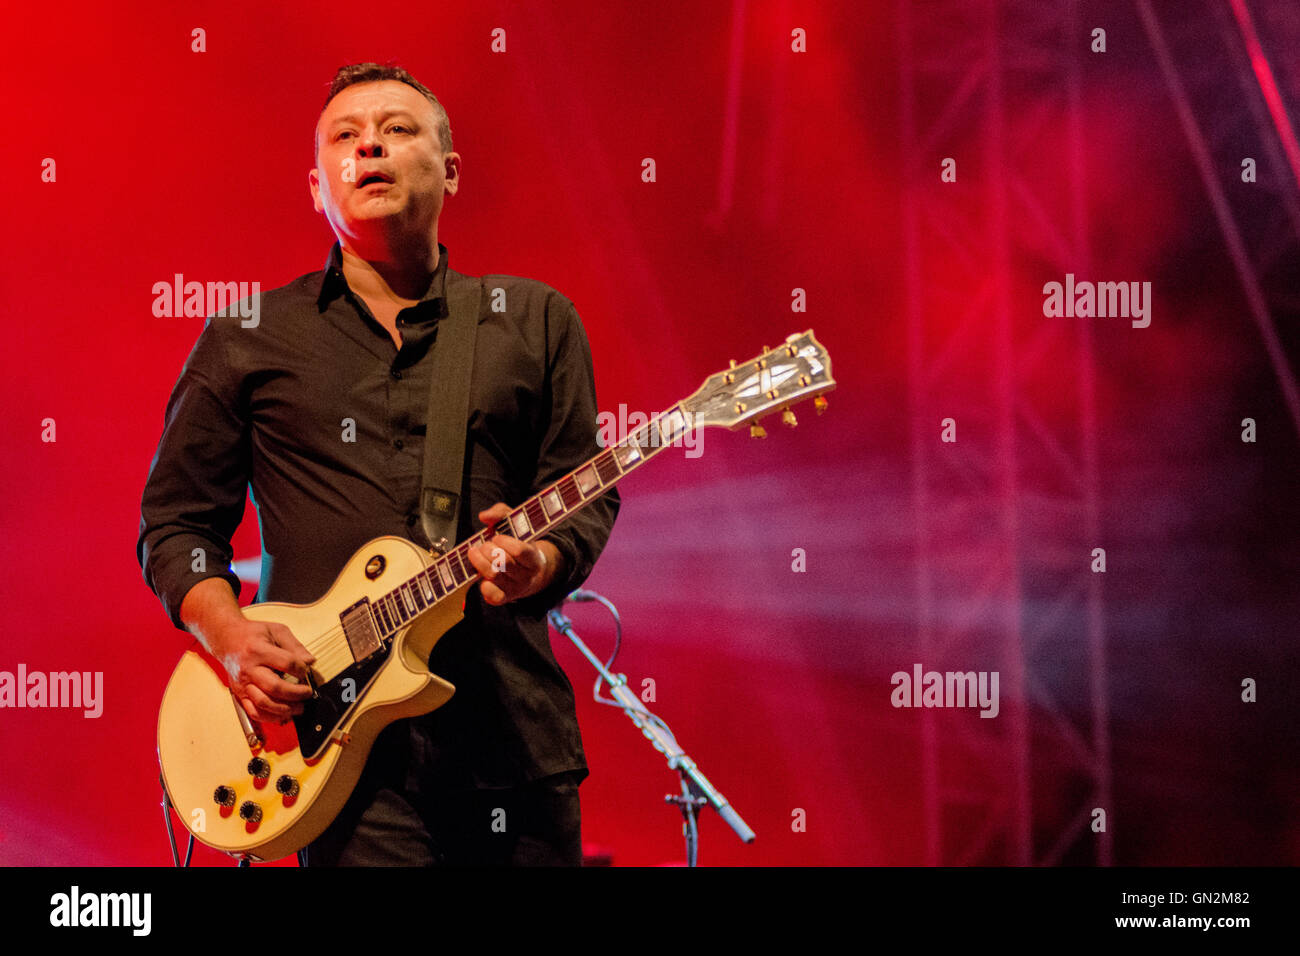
<point>511,569</point>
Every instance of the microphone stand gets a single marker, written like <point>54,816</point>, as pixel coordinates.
<point>697,791</point>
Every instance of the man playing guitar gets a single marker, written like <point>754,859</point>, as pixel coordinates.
<point>319,410</point>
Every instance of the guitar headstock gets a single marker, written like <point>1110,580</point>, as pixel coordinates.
<point>798,370</point>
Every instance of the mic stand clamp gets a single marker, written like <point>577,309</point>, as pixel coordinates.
<point>690,804</point>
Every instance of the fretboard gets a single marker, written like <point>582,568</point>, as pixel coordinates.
<point>530,520</point>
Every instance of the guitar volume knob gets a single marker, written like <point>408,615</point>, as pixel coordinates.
<point>250,811</point>
<point>224,796</point>
<point>259,767</point>
<point>287,785</point>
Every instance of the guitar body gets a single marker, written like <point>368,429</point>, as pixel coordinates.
<point>203,744</point>
<point>266,791</point>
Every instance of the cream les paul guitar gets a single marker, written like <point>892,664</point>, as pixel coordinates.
<point>264,791</point>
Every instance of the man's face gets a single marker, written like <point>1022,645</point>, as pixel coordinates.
<point>387,130</point>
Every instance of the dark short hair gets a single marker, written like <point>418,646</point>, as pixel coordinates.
<point>376,72</point>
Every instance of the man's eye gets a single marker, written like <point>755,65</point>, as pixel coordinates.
<point>397,126</point>
<point>346,132</point>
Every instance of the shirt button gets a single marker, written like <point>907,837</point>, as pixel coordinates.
<point>398,444</point>
<point>397,374</point>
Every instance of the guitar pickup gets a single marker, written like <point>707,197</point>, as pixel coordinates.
<point>359,629</point>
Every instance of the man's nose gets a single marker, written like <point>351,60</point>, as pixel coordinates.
<point>369,144</point>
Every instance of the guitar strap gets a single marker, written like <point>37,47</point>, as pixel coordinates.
<point>448,420</point>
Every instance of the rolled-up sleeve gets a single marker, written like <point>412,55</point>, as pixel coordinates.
<point>195,494</point>
<point>570,441</point>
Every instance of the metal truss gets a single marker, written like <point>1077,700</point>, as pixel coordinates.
<point>1006,517</point>
<point>1000,583</point>
<point>1218,67</point>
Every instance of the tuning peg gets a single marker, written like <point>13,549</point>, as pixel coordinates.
<point>788,418</point>
<point>820,404</point>
<point>757,431</point>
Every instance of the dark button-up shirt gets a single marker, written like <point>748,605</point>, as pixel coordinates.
<point>323,417</point>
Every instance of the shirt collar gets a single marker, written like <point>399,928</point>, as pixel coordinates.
<point>333,283</point>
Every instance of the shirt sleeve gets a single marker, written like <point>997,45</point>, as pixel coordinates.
<point>195,494</point>
<point>569,442</point>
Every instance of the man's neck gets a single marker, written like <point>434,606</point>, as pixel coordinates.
<point>388,274</point>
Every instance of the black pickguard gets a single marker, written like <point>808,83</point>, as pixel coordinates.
<point>322,714</point>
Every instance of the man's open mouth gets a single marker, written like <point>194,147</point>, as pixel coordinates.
<point>370,179</point>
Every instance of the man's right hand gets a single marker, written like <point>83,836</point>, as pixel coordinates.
<point>252,652</point>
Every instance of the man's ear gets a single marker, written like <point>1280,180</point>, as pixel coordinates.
<point>313,183</point>
<point>451,173</point>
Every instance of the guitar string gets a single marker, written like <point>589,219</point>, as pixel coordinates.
<point>335,655</point>
<point>330,647</point>
<point>327,641</point>
<point>330,651</point>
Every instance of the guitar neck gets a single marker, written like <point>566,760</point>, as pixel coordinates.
<point>745,392</point>
<point>530,520</point>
